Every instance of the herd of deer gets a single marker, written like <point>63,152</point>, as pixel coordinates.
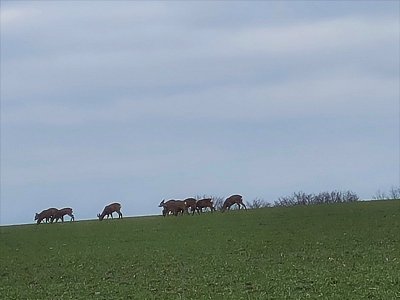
<point>52,214</point>
<point>173,207</point>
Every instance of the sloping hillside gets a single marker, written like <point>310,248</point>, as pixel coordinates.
<point>348,251</point>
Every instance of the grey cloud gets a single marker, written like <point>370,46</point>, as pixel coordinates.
<point>309,97</point>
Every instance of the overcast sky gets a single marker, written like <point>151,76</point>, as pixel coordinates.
<point>135,102</point>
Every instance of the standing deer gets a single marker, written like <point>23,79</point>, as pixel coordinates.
<point>62,212</point>
<point>109,210</point>
<point>47,214</point>
<point>190,203</point>
<point>204,203</point>
<point>173,206</point>
<point>234,199</point>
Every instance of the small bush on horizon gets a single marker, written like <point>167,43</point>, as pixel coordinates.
<point>393,194</point>
<point>301,198</point>
<point>258,203</point>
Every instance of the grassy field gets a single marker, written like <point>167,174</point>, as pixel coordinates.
<point>343,251</point>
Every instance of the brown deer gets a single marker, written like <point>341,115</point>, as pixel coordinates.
<point>109,210</point>
<point>168,207</point>
<point>204,203</point>
<point>234,199</point>
<point>62,212</point>
<point>47,214</point>
<point>190,203</point>
<point>173,206</point>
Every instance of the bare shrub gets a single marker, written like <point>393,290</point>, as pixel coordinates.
<point>301,198</point>
<point>258,203</point>
<point>379,195</point>
<point>393,194</point>
<point>218,202</point>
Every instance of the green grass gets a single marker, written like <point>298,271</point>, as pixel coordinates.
<point>343,251</point>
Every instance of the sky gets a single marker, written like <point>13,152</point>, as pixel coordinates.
<point>140,101</point>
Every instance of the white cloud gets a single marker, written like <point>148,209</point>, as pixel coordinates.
<point>78,13</point>
<point>17,16</point>
<point>303,38</point>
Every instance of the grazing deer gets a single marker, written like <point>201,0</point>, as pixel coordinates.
<point>234,199</point>
<point>204,203</point>
<point>109,210</point>
<point>62,212</point>
<point>47,214</point>
<point>173,206</point>
<point>190,203</point>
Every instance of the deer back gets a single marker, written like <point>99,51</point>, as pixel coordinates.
<point>109,209</point>
<point>207,202</point>
<point>232,200</point>
<point>190,202</point>
<point>47,213</point>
